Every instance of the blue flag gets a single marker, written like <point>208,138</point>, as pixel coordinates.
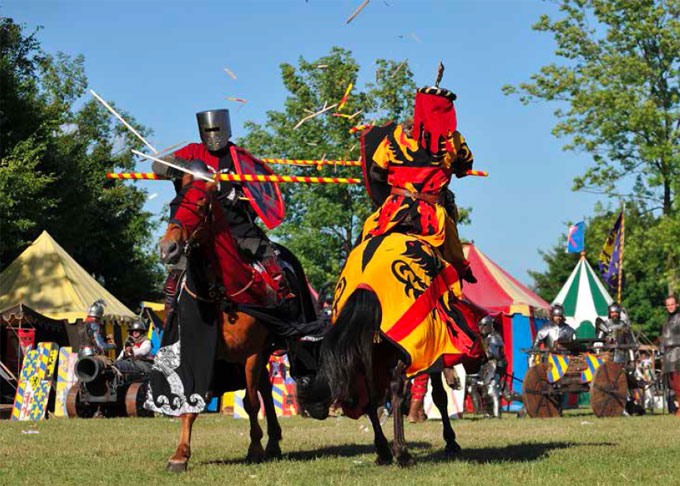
<point>611,253</point>
<point>575,238</point>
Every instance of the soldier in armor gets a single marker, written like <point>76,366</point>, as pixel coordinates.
<point>494,370</point>
<point>137,345</point>
<point>670,347</point>
<point>555,331</point>
<point>407,171</point>
<point>96,343</point>
<point>214,155</point>
<point>616,330</point>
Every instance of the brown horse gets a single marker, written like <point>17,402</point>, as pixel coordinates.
<point>198,228</point>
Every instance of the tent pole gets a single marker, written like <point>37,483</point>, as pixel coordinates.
<point>623,226</point>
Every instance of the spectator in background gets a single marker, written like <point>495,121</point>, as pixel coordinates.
<point>670,347</point>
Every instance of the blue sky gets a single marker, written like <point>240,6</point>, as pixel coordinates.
<point>163,61</point>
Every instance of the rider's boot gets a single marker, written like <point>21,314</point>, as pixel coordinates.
<point>416,413</point>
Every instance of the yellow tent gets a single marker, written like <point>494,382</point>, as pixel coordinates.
<point>48,280</point>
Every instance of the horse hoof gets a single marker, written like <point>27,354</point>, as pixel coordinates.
<point>405,460</point>
<point>383,460</point>
<point>176,467</point>
<point>273,453</point>
<point>452,451</point>
<point>255,456</point>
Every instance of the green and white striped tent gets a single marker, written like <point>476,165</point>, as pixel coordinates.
<point>584,299</point>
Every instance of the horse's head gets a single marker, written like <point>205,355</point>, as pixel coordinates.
<point>190,213</point>
<point>313,392</point>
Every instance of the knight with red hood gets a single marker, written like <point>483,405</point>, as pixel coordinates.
<point>407,170</point>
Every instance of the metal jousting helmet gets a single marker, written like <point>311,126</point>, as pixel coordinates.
<point>96,309</point>
<point>557,310</point>
<point>486,325</point>
<point>615,307</point>
<point>215,129</point>
<point>137,325</point>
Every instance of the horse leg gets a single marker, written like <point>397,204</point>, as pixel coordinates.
<point>381,445</point>
<point>251,403</point>
<point>178,462</point>
<point>273,451</point>
<point>398,388</point>
<point>442,403</point>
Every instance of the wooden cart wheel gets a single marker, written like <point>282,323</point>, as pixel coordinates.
<point>75,407</point>
<point>609,390</point>
<point>537,393</point>
<point>134,401</point>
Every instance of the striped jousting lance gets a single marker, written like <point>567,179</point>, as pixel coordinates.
<point>240,178</point>
<point>232,177</point>
<point>357,163</point>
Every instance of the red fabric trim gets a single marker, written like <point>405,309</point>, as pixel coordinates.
<point>506,320</point>
<point>423,305</point>
<point>197,151</point>
<point>436,115</point>
<point>434,177</point>
<point>419,387</point>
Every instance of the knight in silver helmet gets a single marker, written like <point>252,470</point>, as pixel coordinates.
<point>96,343</point>
<point>137,345</point>
<point>616,330</point>
<point>215,129</point>
<point>555,331</point>
<point>494,370</point>
<point>214,155</point>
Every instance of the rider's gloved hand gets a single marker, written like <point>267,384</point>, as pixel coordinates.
<point>468,276</point>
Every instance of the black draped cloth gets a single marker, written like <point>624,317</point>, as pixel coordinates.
<point>186,373</point>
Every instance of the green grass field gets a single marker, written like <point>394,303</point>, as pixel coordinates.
<point>577,449</point>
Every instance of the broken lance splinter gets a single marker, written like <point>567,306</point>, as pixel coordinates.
<point>122,120</point>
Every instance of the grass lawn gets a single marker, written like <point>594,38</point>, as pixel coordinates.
<point>576,449</point>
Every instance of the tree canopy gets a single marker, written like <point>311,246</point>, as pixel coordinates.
<point>324,221</point>
<point>618,93</point>
<point>616,88</point>
<point>53,160</point>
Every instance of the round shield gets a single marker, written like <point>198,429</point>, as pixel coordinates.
<point>264,197</point>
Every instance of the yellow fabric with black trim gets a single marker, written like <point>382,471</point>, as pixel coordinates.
<point>414,169</point>
<point>418,294</point>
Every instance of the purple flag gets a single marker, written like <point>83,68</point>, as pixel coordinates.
<point>610,256</point>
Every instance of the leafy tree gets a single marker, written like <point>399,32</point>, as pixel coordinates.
<point>54,157</point>
<point>618,92</point>
<point>323,222</point>
<point>618,100</point>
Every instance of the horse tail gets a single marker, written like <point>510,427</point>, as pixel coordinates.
<point>347,349</point>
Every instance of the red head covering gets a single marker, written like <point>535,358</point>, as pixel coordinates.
<point>435,115</point>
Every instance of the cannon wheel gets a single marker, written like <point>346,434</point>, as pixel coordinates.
<point>75,407</point>
<point>537,393</point>
<point>134,401</point>
<point>609,390</point>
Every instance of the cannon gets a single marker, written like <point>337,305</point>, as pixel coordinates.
<point>115,388</point>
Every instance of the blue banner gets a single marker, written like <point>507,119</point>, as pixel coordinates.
<point>576,238</point>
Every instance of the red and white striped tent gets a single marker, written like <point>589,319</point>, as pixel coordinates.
<point>521,311</point>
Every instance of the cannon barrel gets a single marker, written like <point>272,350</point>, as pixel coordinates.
<point>91,368</point>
